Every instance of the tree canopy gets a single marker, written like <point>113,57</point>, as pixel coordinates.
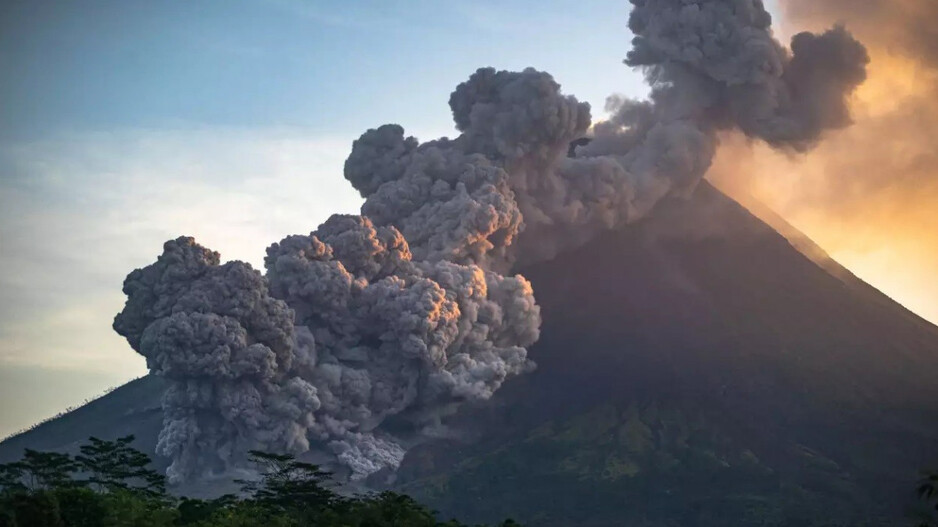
<point>110,484</point>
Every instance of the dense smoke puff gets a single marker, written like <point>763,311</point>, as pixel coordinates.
<point>226,348</point>
<point>448,204</point>
<point>380,335</point>
<point>909,27</point>
<point>390,337</point>
<point>512,115</point>
<point>712,64</point>
<point>400,314</point>
<point>716,61</point>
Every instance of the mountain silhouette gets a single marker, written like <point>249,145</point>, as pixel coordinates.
<point>697,368</point>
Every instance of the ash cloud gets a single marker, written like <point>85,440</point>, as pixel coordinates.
<point>906,27</point>
<point>367,332</point>
<point>227,349</point>
<point>387,336</point>
<point>867,193</point>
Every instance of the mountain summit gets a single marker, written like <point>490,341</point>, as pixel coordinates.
<point>697,369</point>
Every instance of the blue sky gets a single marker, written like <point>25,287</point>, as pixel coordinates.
<point>291,63</point>
<point>125,123</point>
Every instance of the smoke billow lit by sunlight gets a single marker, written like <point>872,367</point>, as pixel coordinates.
<point>867,194</point>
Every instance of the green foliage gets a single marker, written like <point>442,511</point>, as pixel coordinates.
<point>287,483</point>
<point>11,479</point>
<point>248,514</point>
<point>199,512</point>
<point>81,506</point>
<point>110,485</point>
<point>126,508</point>
<point>115,465</point>
<point>45,470</point>
<point>34,509</point>
<point>388,509</point>
<point>643,463</point>
<point>47,489</point>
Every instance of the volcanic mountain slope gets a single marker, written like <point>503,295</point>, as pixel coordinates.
<point>134,408</point>
<point>694,369</point>
<point>698,370</point>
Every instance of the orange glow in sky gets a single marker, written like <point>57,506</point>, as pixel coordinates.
<point>867,194</point>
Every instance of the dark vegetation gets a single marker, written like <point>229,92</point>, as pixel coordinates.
<point>928,492</point>
<point>110,484</point>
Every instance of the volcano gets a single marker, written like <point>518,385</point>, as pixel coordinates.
<point>696,368</point>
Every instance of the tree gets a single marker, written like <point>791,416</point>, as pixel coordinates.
<point>42,488</point>
<point>38,508</point>
<point>80,506</point>
<point>11,479</point>
<point>119,490</point>
<point>389,509</point>
<point>45,470</point>
<point>115,465</point>
<point>249,513</point>
<point>288,483</point>
<point>127,508</point>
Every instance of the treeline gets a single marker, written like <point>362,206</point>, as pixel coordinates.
<point>111,484</point>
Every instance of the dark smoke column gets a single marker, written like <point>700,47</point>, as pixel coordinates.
<point>384,336</point>
<point>712,64</point>
<point>226,348</point>
<point>393,319</point>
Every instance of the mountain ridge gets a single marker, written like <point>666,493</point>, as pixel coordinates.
<point>713,309</point>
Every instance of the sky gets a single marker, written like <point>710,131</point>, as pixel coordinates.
<point>125,123</point>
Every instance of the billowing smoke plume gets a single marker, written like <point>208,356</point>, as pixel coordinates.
<point>397,316</point>
<point>227,349</point>
<point>384,336</point>
<point>906,27</point>
<point>712,64</point>
<point>867,194</point>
